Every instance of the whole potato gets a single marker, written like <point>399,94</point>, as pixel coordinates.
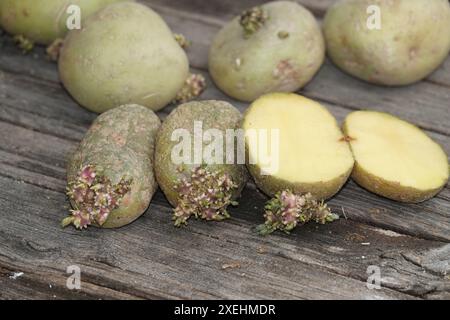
<point>201,189</point>
<point>43,21</point>
<point>275,47</point>
<point>412,41</point>
<point>110,179</point>
<point>125,53</point>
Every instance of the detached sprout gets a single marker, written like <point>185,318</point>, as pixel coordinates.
<point>54,49</point>
<point>182,41</point>
<point>24,43</point>
<point>287,210</point>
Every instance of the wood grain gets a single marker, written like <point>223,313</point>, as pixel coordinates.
<point>40,124</point>
<point>151,258</point>
<point>59,117</point>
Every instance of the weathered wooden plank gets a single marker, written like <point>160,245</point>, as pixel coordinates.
<point>39,128</point>
<point>53,115</point>
<point>35,284</point>
<point>44,99</point>
<point>145,257</point>
<point>34,64</point>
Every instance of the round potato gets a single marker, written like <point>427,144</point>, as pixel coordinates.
<point>277,47</point>
<point>125,53</point>
<point>411,40</point>
<point>43,21</point>
<point>110,179</point>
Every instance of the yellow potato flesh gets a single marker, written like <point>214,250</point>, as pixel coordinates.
<point>396,151</point>
<point>311,145</point>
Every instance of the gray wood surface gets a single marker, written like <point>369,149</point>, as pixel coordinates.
<point>40,124</point>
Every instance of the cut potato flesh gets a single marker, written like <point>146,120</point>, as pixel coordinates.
<point>394,158</point>
<point>313,155</point>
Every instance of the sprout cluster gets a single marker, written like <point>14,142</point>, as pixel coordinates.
<point>93,197</point>
<point>182,41</point>
<point>194,85</point>
<point>205,195</point>
<point>287,210</point>
<point>54,49</point>
<point>23,43</point>
<point>253,19</point>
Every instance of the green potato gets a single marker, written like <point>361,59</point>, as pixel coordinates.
<point>125,53</point>
<point>43,21</point>
<point>203,190</point>
<point>110,178</point>
<point>277,47</point>
<point>413,39</point>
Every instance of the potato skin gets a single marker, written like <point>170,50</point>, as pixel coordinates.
<point>121,142</point>
<point>268,61</point>
<point>270,185</point>
<point>214,114</point>
<point>413,41</point>
<point>389,189</point>
<point>43,21</point>
<point>125,53</point>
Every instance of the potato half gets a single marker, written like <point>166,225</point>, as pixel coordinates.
<point>394,158</point>
<point>312,154</point>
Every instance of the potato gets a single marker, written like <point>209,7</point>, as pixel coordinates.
<point>310,154</point>
<point>277,47</point>
<point>414,39</point>
<point>125,53</point>
<point>110,178</point>
<point>43,21</point>
<point>394,158</point>
<point>199,188</point>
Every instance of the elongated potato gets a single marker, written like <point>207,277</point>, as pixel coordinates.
<point>307,151</point>
<point>196,187</point>
<point>110,179</point>
<point>394,158</point>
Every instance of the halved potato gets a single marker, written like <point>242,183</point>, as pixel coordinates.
<point>313,155</point>
<point>394,158</point>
